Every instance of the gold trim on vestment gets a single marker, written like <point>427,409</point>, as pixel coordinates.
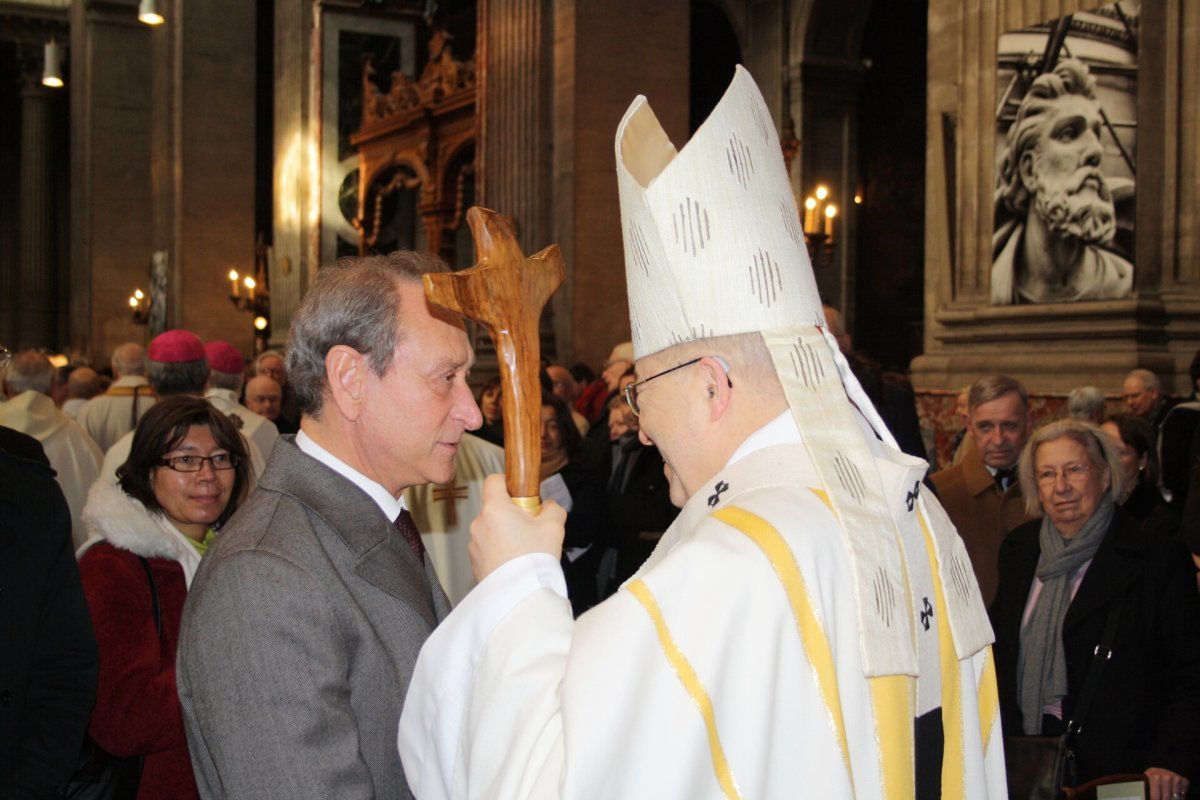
<point>989,700</point>
<point>892,702</point>
<point>812,634</point>
<point>691,684</point>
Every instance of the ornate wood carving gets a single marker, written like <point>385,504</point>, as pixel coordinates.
<point>418,135</point>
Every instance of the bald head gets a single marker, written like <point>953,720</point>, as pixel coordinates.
<point>83,383</point>
<point>264,396</point>
<point>29,370</point>
<point>1141,392</point>
<point>129,359</point>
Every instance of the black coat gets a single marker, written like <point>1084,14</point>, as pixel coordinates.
<point>640,509</point>
<point>1146,712</point>
<point>48,656</point>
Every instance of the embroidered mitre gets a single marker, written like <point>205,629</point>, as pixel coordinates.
<point>714,247</point>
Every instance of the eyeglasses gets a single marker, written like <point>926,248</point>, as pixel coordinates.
<point>632,390</point>
<point>1074,473</point>
<point>219,461</point>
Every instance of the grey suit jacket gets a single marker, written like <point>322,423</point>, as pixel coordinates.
<point>299,638</point>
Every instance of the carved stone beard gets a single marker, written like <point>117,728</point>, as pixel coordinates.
<point>1077,206</point>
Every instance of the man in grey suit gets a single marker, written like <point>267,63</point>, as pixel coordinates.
<point>305,619</point>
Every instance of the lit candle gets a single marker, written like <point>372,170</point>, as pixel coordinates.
<point>233,280</point>
<point>830,213</point>
<point>810,215</point>
<point>133,303</point>
<point>822,193</point>
<point>250,284</point>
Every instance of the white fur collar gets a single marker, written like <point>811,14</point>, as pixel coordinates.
<point>113,516</point>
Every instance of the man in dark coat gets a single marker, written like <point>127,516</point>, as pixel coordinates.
<point>48,657</point>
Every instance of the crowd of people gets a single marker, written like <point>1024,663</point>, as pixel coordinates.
<point>741,582</point>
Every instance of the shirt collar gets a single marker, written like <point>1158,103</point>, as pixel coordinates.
<point>390,506</point>
<point>781,430</point>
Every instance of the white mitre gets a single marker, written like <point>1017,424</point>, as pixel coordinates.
<point>714,247</point>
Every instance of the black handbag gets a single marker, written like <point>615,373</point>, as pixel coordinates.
<point>99,775</point>
<point>1038,767</point>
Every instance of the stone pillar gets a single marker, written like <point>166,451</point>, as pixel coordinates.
<point>606,52</point>
<point>296,122</point>
<point>514,113</point>
<point>513,153</point>
<point>35,307</point>
<point>202,152</point>
<point>111,206</point>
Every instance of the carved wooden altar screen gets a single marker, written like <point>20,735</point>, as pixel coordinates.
<point>416,147</point>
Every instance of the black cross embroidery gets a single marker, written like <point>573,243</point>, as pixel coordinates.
<point>912,496</point>
<point>715,497</point>
<point>927,614</point>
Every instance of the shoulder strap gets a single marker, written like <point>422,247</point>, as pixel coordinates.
<point>1100,656</point>
<point>153,595</point>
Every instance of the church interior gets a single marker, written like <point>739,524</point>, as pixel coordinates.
<point>197,162</point>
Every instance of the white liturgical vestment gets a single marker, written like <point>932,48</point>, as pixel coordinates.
<point>109,416</point>
<point>729,666</point>
<point>443,512</point>
<point>71,452</point>
<point>255,427</point>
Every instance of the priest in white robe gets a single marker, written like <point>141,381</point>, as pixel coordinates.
<point>809,625</point>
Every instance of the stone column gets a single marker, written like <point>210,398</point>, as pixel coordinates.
<point>514,114</point>
<point>296,120</point>
<point>36,318</point>
<point>111,202</point>
<point>202,124</point>
<point>513,109</point>
<point>606,52</point>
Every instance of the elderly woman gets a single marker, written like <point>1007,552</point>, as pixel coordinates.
<point>1135,439</point>
<point>1059,579</point>
<point>186,473</point>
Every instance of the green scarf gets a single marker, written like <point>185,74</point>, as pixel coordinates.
<point>202,545</point>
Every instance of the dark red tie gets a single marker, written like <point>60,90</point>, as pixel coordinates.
<point>408,529</point>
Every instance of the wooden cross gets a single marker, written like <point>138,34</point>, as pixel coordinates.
<point>505,292</point>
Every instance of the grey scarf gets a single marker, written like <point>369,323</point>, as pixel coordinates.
<point>1042,664</point>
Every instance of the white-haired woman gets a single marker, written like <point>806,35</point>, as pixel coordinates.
<point>1060,577</point>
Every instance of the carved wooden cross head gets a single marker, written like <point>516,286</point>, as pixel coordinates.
<point>506,292</point>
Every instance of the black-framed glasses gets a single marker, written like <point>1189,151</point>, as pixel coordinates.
<point>632,390</point>
<point>219,461</point>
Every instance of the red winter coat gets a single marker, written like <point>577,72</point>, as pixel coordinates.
<point>137,705</point>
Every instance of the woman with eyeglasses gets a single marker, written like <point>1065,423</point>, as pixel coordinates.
<point>186,474</point>
<point>1084,569</point>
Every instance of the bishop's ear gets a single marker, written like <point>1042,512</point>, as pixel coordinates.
<point>717,384</point>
